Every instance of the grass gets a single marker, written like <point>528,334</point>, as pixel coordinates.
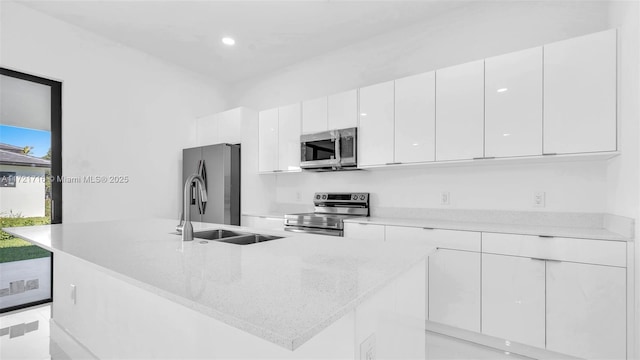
<point>15,249</point>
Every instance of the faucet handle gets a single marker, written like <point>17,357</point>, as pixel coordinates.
<point>181,224</point>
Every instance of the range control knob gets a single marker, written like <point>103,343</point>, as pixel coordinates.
<point>354,197</point>
<point>324,197</point>
<point>362,197</point>
<point>317,197</point>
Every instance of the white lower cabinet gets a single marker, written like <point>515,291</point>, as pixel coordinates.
<point>513,298</point>
<point>453,274</point>
<point>565,294</point>
<point>586,310</point>
<point>373,232</point>
<point>263,222</point>
<point>454,288</point>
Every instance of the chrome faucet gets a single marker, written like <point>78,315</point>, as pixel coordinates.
<point>185,226</point>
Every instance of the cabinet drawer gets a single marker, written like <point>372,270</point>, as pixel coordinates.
<point>446,239</point>
<point>373,232</point>
<point>612,253</point>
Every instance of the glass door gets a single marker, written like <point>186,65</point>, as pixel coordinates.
<point>30,164</point>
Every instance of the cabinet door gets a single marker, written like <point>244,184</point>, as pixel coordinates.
<point>400,233</point>
<point>454,288</point>
<point>375,130</point>
<point>342,110</point>
<point>586,310</point>
<point>513,104</point>
<point>289,137</point>
<point>314,115</point>
<point>268,140</point>
<point>372,232</point>
<point>208,130</point>
<point>460,112</point>
<point>230,126</point>
<point>580,94</point>
<point>513,298</point>
<point>415,118</point>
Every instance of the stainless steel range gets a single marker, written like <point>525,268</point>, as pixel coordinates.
<point>330,211</point>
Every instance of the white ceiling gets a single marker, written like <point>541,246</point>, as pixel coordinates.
<point>269,34</point>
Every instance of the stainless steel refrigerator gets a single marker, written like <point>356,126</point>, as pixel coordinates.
<point>219,166</point>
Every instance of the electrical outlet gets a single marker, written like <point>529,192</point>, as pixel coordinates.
<point>368,348</point>
<point>445,198</point>
<point>539,199</point>
<point>298,195</point>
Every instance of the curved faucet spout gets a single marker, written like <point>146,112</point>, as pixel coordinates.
<point>186,227</point>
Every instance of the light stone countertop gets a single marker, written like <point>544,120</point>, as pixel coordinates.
<point>285,291</point>
<point>558,231</point>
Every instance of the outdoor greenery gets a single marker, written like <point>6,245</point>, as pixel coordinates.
<point>14,249</point>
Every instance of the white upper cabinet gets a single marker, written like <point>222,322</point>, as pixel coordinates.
<point>460,112</point>
<point>415,118</point>
<point>230,126</point>
<point>314,115</point>
<point>224,127</point>
<point>580,94</point>
<point>513,104</point>
<point>268,140</point>
<point>208,130</point>
<point>289,123</point>
<point>342,110</point>
<point>376,127</point>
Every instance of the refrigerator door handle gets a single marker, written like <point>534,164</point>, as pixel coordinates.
<point>202,171</point>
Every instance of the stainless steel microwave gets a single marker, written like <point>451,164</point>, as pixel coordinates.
<point>329,150</point>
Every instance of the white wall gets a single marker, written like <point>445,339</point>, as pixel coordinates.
<point>27,198</point>
<point>480,30</point>
<point>623,171</point>
<point>124,113</point>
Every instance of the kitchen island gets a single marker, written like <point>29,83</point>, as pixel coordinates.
<point>132,289</point>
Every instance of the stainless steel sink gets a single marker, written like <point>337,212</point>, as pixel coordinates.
<point>216,234</point>
<point>233,237</point>
<point>250,239</point>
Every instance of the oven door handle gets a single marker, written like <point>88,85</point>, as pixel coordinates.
<point>313,231</point>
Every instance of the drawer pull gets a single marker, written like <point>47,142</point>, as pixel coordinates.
<point>549,154</point>
<point>550,260</point>
<point>546,236</point>
<point>427,228</point>
<point>484,158</point>
<point>393,163</point>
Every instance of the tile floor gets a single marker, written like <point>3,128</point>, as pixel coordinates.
<point>25,335</point>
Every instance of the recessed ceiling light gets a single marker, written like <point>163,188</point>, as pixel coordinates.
<point>228,41</point>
